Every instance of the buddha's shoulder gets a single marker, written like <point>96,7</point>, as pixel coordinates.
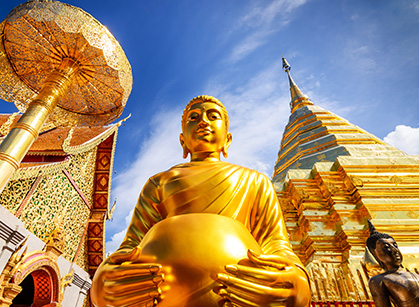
<point>375,281</point>
<point>387,278</point>
<point>189,168</point>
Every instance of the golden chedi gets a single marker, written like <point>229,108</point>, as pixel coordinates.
<point>178,249</point>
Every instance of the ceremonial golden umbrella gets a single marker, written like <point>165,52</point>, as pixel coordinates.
<point>58,63</point>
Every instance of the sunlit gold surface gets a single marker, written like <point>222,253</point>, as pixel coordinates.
<point>193,249</point>
<point>205,186</point>
<point>25,132</point>
<point>331,176</point>
<point>37,36</point>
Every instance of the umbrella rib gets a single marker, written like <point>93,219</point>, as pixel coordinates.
<point>104,65</point>
<point>18,30</point>
<point>53,36</point>
<point>92,68</point>
<point>106,75</point>
<point>37,51</point>
<point>26,60</point>
<point>87,88</point>
<point>108,86</point>
<point>56,53</point>
<point>73,54</point>
<point>36,30</point>
<point>82,48</point>
<point>93,57</point>
<point>66,45</point>
<point>78,85</point>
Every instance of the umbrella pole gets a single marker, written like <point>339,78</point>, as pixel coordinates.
<point>22,135</point>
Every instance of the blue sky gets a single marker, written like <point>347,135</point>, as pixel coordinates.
<point>356,58</point>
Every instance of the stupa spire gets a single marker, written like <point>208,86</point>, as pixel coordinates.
<point>298,99</point>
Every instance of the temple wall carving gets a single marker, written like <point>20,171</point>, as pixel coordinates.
<point>45,201</point>
<point>55,278</point>
<point>59,201</point>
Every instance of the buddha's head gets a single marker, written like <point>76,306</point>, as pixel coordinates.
<point>205,129</point>
<point>384,249</point>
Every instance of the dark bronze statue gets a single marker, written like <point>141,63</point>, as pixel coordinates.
<point>394,285</point>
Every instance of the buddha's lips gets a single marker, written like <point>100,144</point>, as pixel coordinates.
<point>205,131</point>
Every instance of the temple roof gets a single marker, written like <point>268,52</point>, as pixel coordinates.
<point>51,139</point>
<point>314,134</point>
<point>54,147</point>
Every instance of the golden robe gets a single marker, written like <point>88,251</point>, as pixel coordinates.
<point>217,188</point>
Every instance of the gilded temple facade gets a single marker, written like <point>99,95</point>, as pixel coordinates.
<point>53,214</point>
<point>331,177</point>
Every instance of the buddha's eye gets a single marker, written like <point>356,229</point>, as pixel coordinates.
<point>214,116</point>
<point>193,116</point>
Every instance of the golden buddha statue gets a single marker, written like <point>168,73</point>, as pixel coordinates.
<point>395,284</point>
<point>204,233</point>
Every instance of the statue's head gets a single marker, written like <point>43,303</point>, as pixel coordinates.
<point>205,129</point>
<point>384,248</point>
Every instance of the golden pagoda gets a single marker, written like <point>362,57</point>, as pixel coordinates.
<point>331,177</point>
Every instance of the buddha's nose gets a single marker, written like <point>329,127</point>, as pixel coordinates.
<point>204,121</point>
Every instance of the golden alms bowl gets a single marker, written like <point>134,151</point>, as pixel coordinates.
<point>193,249</point>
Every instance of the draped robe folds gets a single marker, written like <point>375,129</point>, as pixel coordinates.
<point>216,188</point>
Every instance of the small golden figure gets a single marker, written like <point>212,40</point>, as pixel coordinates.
<point>204,233</point>
<point>395,284</point>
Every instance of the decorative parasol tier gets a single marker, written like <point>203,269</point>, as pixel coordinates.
<point>38,36</point>
<point>57,63</point>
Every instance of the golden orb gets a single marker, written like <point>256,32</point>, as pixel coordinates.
<point>193,249</point>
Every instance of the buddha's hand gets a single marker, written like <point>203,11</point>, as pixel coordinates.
<point>268,280</point>
<point>127,278</point>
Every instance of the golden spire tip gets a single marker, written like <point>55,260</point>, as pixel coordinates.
<point>285,65</point>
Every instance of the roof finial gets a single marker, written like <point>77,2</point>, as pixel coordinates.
<point>285,65</point>
<point>298,99</point>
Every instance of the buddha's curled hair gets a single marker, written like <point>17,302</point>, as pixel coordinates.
<point>374,236</point>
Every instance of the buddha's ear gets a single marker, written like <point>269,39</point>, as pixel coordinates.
<point>227,144</point>
<point>182,143</point>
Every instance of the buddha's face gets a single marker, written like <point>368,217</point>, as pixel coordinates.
<point>205,129</point>
<point>388,252</point>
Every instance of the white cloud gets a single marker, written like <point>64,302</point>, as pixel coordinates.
<point>113,244</point>
<point>249,44</point>
<point>404,138</point>
<point>265,16</point>
<point>260,22</point>
<point>362,57</point>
